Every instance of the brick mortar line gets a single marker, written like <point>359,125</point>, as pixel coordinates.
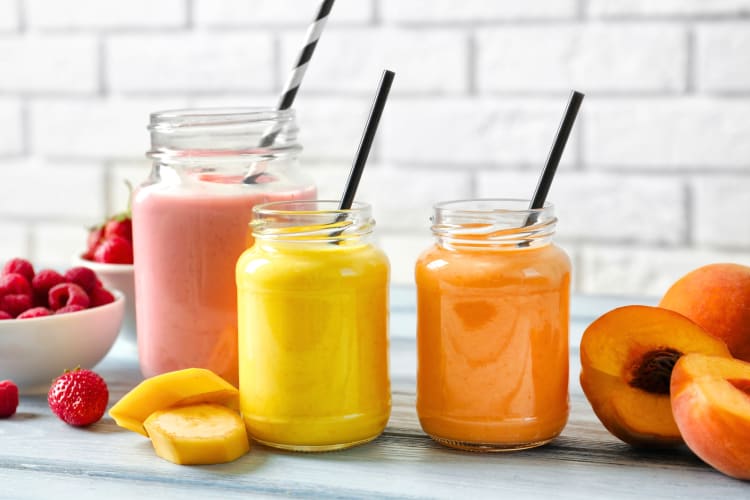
<point>189,6</point>
<point>368,24</point>
<point>25,124</point>
<point>690,61</point>
<point>472,65</point>
<point>376,15</point>
<point>689,207</point>
<point>22,20</point>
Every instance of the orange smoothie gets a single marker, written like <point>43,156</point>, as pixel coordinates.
<point>492,339</point>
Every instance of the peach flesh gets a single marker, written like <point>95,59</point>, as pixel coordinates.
<point>711,406</point>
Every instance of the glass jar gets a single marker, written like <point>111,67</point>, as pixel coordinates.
<point>190,224</point>
<point>492,327</point>
<point>313,327</point>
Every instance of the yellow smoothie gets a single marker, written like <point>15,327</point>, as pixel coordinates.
<point>313,343</point>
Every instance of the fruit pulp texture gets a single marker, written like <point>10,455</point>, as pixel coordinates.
<point>186,242</point>
<point>313,344</point>
<point>492,341</point>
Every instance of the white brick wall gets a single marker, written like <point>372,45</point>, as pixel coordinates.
<point>654,182</point>
<point>8,15</point>
<point>426,61</point>
<point>93,128</point>
<point>447,11</point>
<point>655,8</point>
<point>466,132</point>
<point>105,14</point>
<point>11,125</point>
<point>265,13</point>
<point>722,212</point>
<point>555,58</point>
<point>200,62</point>
<point>49,63</point>
<point>722,57</point>
<point>669,132</point>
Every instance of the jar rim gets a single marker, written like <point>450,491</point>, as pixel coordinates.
<point>472,205</point>
<point>276,207</point>
<point>216,116</point>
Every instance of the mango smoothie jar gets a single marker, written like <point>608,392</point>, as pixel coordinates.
<point>313,327</point>
<point>492,327</point>
<point>190,225</point>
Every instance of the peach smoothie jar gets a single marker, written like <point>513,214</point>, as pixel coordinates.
<point>190,225</point>
<point>492,327</point>
<point>313,327</point>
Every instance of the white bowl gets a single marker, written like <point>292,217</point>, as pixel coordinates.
<point>118,277</point>
<point>34,351</point>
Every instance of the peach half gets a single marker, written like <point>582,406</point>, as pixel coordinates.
<point>711,405</point>
<point>627,356</point>
<point>717,297</point>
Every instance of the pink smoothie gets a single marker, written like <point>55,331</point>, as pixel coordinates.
<point>186,246</point>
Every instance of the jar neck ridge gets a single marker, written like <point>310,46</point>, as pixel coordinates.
<point>312,222</point>
<point>492,224</point>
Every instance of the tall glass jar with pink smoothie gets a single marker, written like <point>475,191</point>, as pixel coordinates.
<point>190,225</point>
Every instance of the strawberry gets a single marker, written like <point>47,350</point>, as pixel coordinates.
<point>115,250</point>
<point>101,296</point>
<point>83,277</point>
<point>78,397</point>
<point>96,234</point>
<point>4,315</point>
<point>41,284</point>
<point>119,226</point>
<point>8,398</point>
<point>19,266</point>
<point>34,312</point>
<point>67,294</point>
<point>14,283</point>
<point>15,304</point>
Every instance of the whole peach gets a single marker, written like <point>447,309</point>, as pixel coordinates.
<point>716,297</point>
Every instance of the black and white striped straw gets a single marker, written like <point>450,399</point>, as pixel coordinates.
<point>295,79</point>
<point>298,72</point>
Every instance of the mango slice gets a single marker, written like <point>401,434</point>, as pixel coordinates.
<point>198,434</point>
<point>178,388</point>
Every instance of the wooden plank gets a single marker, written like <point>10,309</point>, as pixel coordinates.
<point>40,457</point>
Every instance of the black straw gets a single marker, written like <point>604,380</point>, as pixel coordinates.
<point>553,160</point>
<point>367,137</point>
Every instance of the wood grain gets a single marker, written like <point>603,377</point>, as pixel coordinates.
<point>41,457</point>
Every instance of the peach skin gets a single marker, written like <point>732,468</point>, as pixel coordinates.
<point>717,297</point>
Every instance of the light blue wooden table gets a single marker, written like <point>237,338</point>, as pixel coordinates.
<point>40,457</point>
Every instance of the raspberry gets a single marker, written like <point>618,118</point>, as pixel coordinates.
<point>42,282</point>
<point>69,309</point>
<point>4,315</point>
<point>83,277</point>
<point>122,227</point>
<point>14,283</point>
<point>115,250</point>
<point>100,296</point>
<point>15,304</point>
<point>79,397</point>
<point>67,294</point>
<point>19,266</point>
<point>34,312</point>
<point>8,398</point>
